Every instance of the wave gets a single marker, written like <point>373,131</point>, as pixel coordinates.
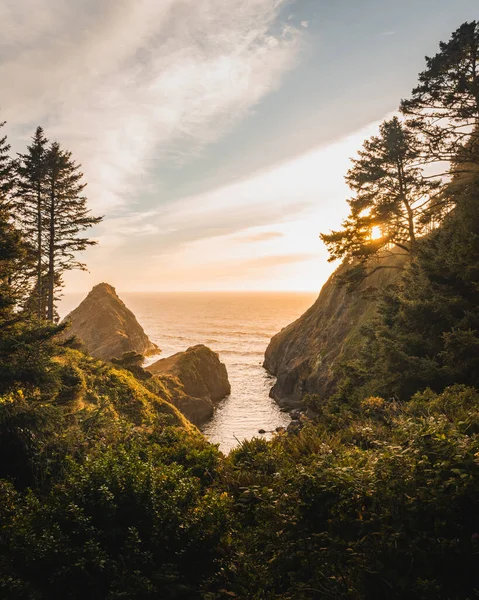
<point>240,352</point>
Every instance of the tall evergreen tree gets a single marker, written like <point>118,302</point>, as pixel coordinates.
<point>67,215</point>
<point>444,107</point>
<point>25,346</point>
<point>7,177</point>
<point>14,252</point>
<point>31,170</point>
<point>392,198</point>
<point>427,333</point>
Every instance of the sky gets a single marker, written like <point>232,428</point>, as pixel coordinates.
<point>214,135</point>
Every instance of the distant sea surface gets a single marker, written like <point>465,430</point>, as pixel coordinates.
<point>239,327</point>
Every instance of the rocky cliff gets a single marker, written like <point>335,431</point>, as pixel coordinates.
<point>195,379</point>
<point>106,327</point>
<point>303,356</point>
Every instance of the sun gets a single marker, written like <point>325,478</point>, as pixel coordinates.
<point>376,233</point>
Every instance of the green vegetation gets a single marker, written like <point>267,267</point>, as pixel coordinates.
<point>392,201</point>
<point>107,492</point>
<point>48,196</point>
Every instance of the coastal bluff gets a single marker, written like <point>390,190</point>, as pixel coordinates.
<point>196,380</point>
<point>106,327</point>
<point>304,356</point>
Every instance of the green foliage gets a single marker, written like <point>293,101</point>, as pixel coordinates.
<point>7,177</point>
<point>427,332</point>
<point>79,401</point>
<point>67,215</point>
<point>124,524</point>
<point>30,193</point>
<point>384,507</point>
<point>391,196</point>
<point>26,352</point>
<point>132,361</point>
<point>444,106</point>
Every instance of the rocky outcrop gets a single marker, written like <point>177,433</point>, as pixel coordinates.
<point>106,327</point>
<point>196,380</point>
<point>303,356</point>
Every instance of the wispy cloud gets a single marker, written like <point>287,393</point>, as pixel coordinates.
<point>263,236</point>
<point>269,262</point>
<point>125,84</point>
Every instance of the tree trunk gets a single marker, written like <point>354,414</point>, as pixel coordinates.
<point>41,314</point>
<point>410,213</point>
<point>51,255</point>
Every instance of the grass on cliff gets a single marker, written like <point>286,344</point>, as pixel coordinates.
<point>90,383</point>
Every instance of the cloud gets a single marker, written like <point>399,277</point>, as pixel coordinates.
<point>387,33</point>
<point>126,84</point>
<point>305,24</point>
<point>207,224</point>
<point>268,262</point>
<point>262,236</point>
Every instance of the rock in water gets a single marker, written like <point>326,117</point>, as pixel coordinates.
<point>304,355</point>
<point>106,327</point>
<point>196,379</point>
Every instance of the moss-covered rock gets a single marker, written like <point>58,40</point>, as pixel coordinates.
<point>99,384</point>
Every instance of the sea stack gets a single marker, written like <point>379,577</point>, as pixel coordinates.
<point>106,327</point>
<point>196,379</point>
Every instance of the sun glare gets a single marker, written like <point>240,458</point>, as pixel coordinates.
<point>376,233</point>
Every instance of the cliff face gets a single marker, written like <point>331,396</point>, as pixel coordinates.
<point>303,356</point>
<point>106,326</point>
<point>196,380</point>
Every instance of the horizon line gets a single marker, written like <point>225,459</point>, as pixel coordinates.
<point>258,291</point>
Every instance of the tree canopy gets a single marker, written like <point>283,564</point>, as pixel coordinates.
<point>392,200</point>
<point>444,106</point>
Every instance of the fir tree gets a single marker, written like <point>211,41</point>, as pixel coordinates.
<point>392,198</point>
<point>444,107</point>
<point>7,177</point>
<point>67,215</point>
<point>427,334</point>
<point>31,202</point>
<point>25,346</point>
<point>14,252</point>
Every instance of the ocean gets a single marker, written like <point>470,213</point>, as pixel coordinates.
<point>238,326</point>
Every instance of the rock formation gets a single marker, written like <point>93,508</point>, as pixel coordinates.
<point>196,380</point>
<point>303,356</point>
<point>106,327</point>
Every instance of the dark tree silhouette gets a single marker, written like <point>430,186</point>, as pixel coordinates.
<point>444,107</point>
<point>67,215</point>
<point>392,197</point>
<point>31,196</point>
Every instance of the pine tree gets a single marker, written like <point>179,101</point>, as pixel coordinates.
<point>13,249</point>
<point>25,346</point>
<point>67,215</point>
<point>444,107</point>
<point>12,252</point>
<point>31,198</point>
<point>7,177</point>
<point>427,334</point>
<point>392,198</point>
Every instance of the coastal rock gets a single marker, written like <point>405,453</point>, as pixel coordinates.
<point>196,380</point>
<point>303,356</point>
<point>106,327</point>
